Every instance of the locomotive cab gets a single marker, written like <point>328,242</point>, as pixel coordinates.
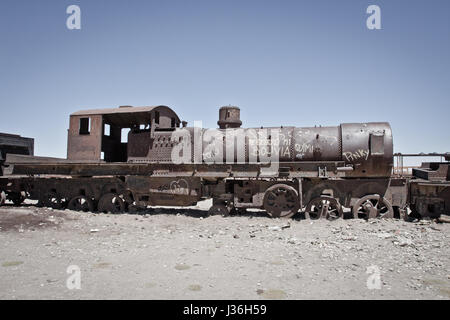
<point>117,134</point>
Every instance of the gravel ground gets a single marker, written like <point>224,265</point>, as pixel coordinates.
<point>173,253</point>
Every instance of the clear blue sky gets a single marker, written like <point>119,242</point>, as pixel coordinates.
<point>296,63</point>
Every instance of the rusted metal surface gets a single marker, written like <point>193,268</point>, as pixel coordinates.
<point>89,140</point>
<point>433,171</point>
<point>429,190</point>
<point>178,191</point>
<point>281,201</point>
<point>397,193</point>
<point>429,198</point>
<point>369,148</point>
<point>217,171</point>
<point>428,186</point>
<point>229,117</point>
<point>373,206</point>
<point>112,203</point>
<point>401,170</point>
<point>318,170</point>
<point>14,144</point>
<point>324,207</point>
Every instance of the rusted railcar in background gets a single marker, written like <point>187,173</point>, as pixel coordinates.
<point>429,191</point>
<point>13,144</point>
<point>130,157</point>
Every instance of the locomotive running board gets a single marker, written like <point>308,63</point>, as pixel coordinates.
<point>296,169</point>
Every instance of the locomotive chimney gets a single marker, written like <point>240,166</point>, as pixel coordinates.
<point>229,117</point>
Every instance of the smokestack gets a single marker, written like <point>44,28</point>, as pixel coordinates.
<point>229,117</point>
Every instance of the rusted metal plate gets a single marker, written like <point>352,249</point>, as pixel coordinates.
<point>433,171</point>
<point>165,191</point>
<point>368,148</point>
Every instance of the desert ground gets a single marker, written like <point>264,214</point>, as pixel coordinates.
<point>182,253</point>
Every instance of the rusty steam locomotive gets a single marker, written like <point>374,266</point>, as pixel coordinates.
<point>125,158</point>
